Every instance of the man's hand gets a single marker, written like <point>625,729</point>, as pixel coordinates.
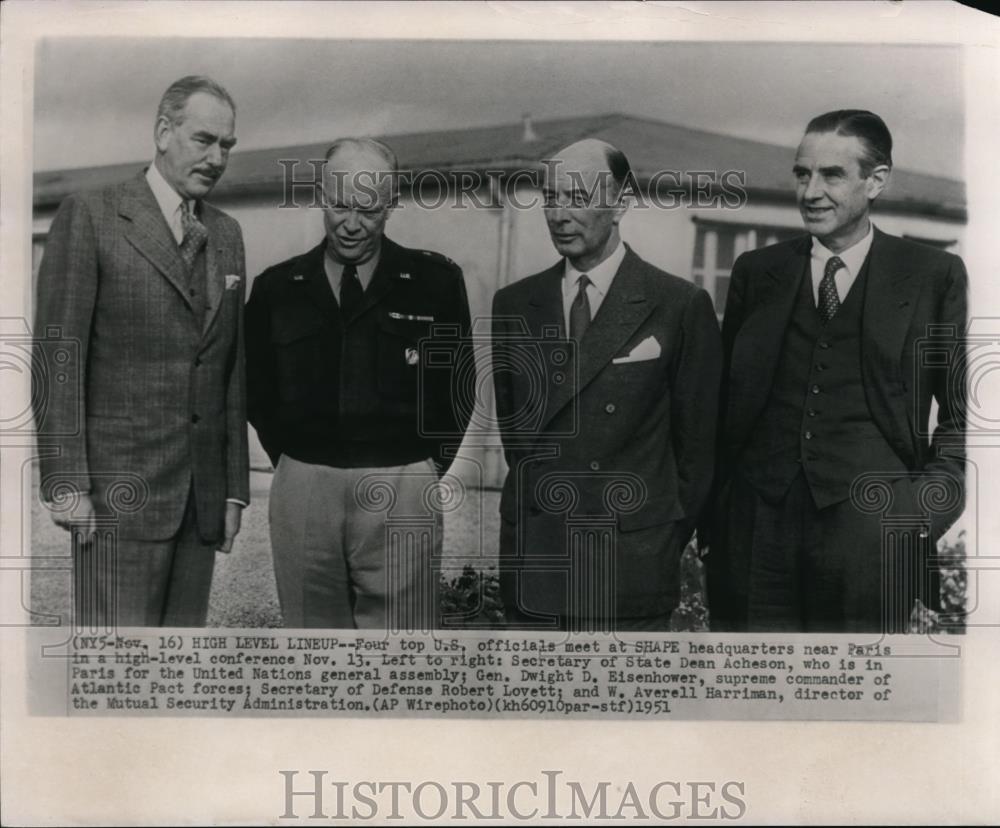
<point>234,514</point>
<point>82,519</point>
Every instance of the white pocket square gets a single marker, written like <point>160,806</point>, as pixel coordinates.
<point>232,280</point>
<point>648,349</point>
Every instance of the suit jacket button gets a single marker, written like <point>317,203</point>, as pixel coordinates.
<point>610,408</point>
<point>595,466</point>
<point>195,418</point>
<point>197,362</point>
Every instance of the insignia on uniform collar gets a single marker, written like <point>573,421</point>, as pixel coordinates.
<point>411,356</point>
<point>298,277</point>
<point>404,275</point>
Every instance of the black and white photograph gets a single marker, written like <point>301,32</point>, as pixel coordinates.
<point>517,412</point>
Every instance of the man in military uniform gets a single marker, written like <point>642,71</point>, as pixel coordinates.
<point>351,350</point>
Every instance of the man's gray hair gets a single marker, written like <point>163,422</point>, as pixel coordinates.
<point>176,97</point>
<point>376,146</point>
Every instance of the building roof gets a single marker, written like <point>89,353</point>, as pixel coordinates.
<point>649,144</point>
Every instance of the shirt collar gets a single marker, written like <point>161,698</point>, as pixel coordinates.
<point>600,276</point>
<point>166,196</point>
<point>335,269</point>
<point>853,257</point>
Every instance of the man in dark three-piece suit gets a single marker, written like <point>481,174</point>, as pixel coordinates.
<point>833,489</point>
<point>356,392</point>
<point>606,374</point>
<point>145,456</point>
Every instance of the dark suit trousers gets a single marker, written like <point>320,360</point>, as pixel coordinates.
<point>825,570</point>
<point>138,583</point>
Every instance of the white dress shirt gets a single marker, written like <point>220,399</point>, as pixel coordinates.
<point>600,282</point>
<point>853,258</point>
<point>171,204</point>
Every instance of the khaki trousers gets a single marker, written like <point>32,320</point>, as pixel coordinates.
<point>356,548</point>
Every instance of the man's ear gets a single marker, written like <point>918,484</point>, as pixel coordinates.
<point>623,200</point>
<point>878,180</point>
<point>161,132</point>
<point>391,207</point>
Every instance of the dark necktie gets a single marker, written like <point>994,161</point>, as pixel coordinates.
<point>195,234</point>
<point>351,291</point>
<point>829,299</point>
<point>579,311</point>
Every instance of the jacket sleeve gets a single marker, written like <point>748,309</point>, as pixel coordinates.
<point>732,320</point>
<point>695,403</point>
<point>949,387</point>
<point>456,400</point>
<point>67,294</point>
<point>261,371</point>
<point>500,363</point>
<point>237,451</point>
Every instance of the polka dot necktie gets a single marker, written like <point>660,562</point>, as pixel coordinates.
<point>579,311</point>
<point>829,299</point>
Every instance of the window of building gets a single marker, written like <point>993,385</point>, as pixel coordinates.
<point>717,245</point>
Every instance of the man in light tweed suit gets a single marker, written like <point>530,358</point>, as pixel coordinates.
<point>144,458</point>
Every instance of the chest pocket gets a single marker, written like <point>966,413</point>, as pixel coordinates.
<point>398,355</point>
<point>297,342</point>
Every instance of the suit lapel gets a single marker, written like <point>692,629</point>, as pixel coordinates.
<point>214,279</point>
<point>621,313</point>
<point>758,343</point>
<point>149,233</point>
<point>544,313</point>
<point>890,299</point>
<point>889,304</point>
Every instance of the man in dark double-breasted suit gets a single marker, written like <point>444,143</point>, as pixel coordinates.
<point>833,485</point>
<point>606,375</point>
<point>142,430</point>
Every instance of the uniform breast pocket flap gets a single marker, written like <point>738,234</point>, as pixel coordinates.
<point>286,328</point>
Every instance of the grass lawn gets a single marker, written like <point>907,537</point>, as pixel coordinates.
<point>243,589</point>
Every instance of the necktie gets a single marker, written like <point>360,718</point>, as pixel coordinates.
<point>351,291</point>
<point>195,234</point>
<point>829,299</point>
<point>579,311</point>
